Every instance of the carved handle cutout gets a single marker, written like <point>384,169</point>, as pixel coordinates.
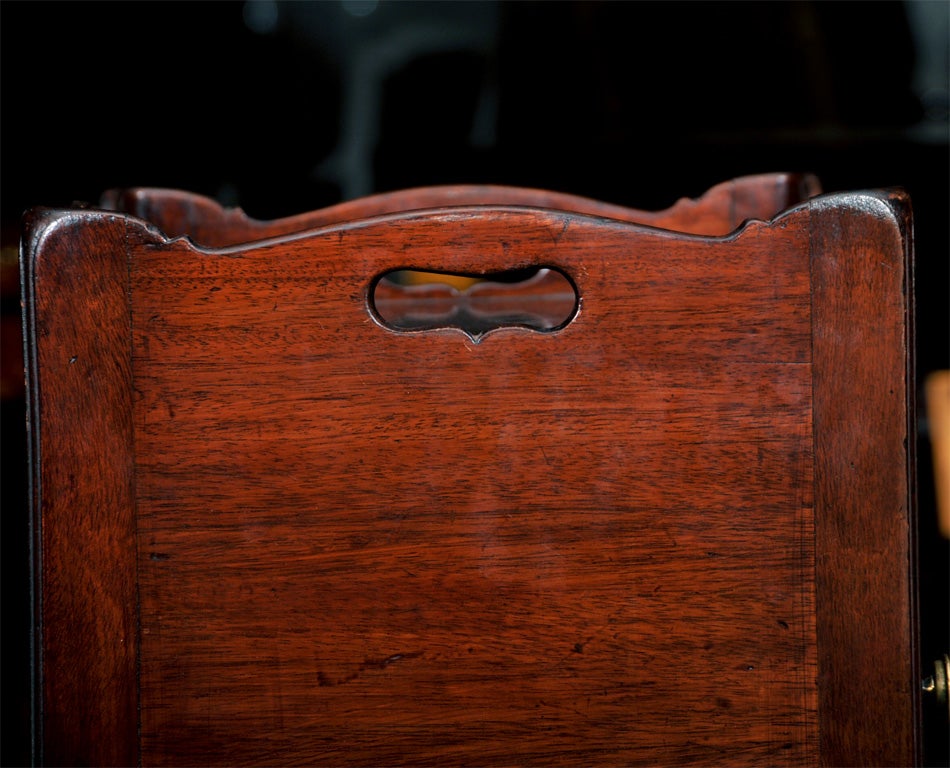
<point>541,299</point>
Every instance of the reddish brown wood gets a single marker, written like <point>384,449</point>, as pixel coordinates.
<point>623,542</point>
<point>717,212</point>
<point>865,515</point>
<point>517,527</point>
<point>84,525</point>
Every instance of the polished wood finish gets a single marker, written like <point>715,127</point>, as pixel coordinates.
<point>675,531</point>
<point>80,399</point>
<point>718,212</point>
<point>864,449</point>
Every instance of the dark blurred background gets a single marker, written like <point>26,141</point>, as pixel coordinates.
<point>285,107</point>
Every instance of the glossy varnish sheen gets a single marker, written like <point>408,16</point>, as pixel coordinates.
<point>717,212</point>
<point>600,545</point>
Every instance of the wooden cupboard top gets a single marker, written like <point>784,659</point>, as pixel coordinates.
<point>270,530</point>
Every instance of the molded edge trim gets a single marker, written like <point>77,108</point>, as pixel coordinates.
<point>198,216</point>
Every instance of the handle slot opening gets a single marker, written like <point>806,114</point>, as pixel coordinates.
<point>542,299</point>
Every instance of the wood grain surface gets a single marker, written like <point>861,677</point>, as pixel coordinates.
<point>633,540</point>
<point>864,443</point>
<point>77,320</point>
<point>717,212</point>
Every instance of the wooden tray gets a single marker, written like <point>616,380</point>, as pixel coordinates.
<point>675,529</point>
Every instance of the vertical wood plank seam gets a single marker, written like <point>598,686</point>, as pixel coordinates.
<point>808,688</point>
<point>816,490</point>
<point>816,657</point>
<point>137,638</point>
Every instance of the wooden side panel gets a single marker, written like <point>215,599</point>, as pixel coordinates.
<point>717,212</point>
<point>80,400</point>
<point>358,546</point>
<point>364,547</point>
<point>861,262</point>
